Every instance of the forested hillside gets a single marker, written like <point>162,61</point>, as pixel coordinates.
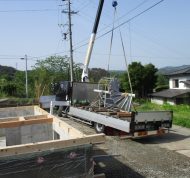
<point>144,78</point>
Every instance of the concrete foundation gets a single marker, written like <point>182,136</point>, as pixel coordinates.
<point>34,143</point>
<point>28,134</point>
<point>17,111</point>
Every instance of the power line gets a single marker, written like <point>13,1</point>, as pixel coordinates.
<point>136,56</point>
<point>83,6</point>
<point>28,10</point>
<point>100,54</point>
<point>131,19</point>
<point>125,22</point>
<point>27,0</point>
<point>107,26</point>
<point>109,30</point>
<point>115,27</point>
<point>52,54</point>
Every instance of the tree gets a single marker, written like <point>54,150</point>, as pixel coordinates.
<point>45,72</point>
<point>95,74</point>
<point>53,70</point>
<point>19,81</point>
<point>136,72</point>
<point>149,79</point>
<point>143,79</point>
<point>162,82</point>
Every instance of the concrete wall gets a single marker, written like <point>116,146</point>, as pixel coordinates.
<point>16,111</point>
<point>161,101</point>
<point>171,101</point>
<point>2,132</point>
<point>157,101</point>
<point>60,132</point>
<point>28,134</point>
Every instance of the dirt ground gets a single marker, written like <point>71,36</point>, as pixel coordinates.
<point>156,156</point>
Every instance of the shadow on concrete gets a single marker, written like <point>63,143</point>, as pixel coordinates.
<point>112,167</point>
<point>166,138</point>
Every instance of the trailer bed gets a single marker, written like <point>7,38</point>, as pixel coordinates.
<point>135,123</point>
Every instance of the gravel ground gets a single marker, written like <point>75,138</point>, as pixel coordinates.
<point>138,158</point>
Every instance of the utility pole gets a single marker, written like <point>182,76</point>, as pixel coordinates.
<point>69,12</point>
<point>71,45</point>
<point>26,74</point>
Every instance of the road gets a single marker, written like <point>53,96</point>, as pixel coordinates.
<point>157,156</point>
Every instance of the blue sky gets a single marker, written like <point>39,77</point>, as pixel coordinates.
<point>159,36</point>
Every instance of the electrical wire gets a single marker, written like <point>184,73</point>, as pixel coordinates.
<point>129,20</point>
<point>107,26</point>
<point>100,36</point>
<point>28,10</point>
<point>125,22</point>
<point>28,0</point>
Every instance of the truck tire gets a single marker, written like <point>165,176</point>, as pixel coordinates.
<point>59,112</point>
<point>99,128</point>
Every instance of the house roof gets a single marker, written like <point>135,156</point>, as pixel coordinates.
<point>170,93</point>
<point>180,72</point>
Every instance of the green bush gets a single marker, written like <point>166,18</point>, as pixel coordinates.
<point>161,87</point>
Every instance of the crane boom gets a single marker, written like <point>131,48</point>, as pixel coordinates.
<point>91,42</point>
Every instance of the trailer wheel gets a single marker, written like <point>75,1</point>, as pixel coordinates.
<point>99,128</point>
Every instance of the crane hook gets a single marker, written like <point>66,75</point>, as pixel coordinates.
<point>114,3</point>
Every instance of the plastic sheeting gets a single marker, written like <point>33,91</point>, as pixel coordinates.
<point>75,162</point>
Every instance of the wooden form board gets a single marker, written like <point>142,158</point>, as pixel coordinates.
<point>22,122</point>
<point>43,116</point>
<point>10,119</point>
<point>51,145</point>
<point>124,114</point>
<point>27,120</point>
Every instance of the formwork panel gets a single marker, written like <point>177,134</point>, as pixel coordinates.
<point>43,146</point>
<point>70,162</point>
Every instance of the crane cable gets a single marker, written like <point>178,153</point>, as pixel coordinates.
<point>114,4</point>
<point>127,66</point>
<point>125,57</point>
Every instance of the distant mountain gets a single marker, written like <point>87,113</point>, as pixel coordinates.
<point>170,69</point>
<point>5,70</point>
<point>118,71</point>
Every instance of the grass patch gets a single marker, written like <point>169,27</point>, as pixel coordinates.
<point>181,113</point>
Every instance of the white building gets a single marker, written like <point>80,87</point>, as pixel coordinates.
<point>179,89</point>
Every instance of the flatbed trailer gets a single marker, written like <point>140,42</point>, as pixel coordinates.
<point>134,123</point>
